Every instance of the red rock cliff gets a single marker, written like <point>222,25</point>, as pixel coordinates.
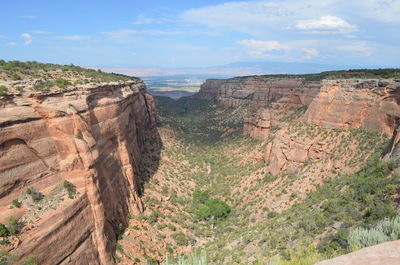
<point>353,103</point>
<point>261,91</point>
<point>92,137</point>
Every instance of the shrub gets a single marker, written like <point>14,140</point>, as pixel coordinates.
<point>15,76</point>
<point>70,188</point>
<point>180,239</point>
<point>201,196</point>
<point>272,214</point>
<point>79,136</point>
<point>4,231</point>
<point>35,195</point>
<point>62,83</point>
<point>16,203</point>
<point>213,208</point>
<point>12,225</point>
<point>3,90</point>
<point>153,217</point>
<point>386,230</point>
<point>195,258</point>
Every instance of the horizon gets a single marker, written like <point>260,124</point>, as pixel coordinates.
<point>197,35</point>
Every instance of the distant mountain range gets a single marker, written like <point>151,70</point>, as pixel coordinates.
<point>231,70</point>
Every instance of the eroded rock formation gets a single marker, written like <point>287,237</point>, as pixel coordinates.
<point>258,125</point>
<point>353,103</point>
<point>261,91</point>
<point>91,136</point>
<point>341,104</point>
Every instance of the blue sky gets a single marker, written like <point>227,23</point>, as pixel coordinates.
<point>201,33</point>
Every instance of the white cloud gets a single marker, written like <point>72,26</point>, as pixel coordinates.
<point>358,50</point>
<point>2,36</point>
<point>161,32</point>
<point>142,19</point>
<point>28,38</point>
<point>121,35</point>
<point>72,37</point>
<point>258,48</point>
<point>326,24</point>
<point>309,53</point>
<point>29,17</point>
<point>40,32</point>
<point>246,17</point>
<point>11,44</point>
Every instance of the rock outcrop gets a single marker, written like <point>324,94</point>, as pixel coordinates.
<point>261,91</point>
<point>258,125</point>
<point>92,137</point>
<point>345,104</point>
<point>341,104</point>
<point>392,151</point>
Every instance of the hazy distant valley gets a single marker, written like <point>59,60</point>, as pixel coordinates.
<point>173,86</point>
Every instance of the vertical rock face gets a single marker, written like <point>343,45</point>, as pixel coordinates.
<point>342,104</point>
<point>346,104</point>
<point>258,125</point>
<point>261,91</point>
<point>92,137</point>
<point>210,88</point>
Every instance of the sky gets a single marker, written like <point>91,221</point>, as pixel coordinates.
<point>178,33</point>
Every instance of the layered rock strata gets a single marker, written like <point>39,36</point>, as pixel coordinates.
<point>258,125</point>
<point>345,104</point>
<point>261,91</point>
<point>92,137</point>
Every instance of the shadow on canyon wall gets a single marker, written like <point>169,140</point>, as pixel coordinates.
<point>129,150</point>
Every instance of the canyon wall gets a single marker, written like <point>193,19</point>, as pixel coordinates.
<point>342,104</point>
<point>92,137</point>
<point>345,104</point>
<point>261,91</point>
<point>270,93</point>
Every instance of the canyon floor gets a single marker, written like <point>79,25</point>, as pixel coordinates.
<point>301,216</point>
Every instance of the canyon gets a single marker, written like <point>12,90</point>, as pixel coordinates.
<point>105,173</point>
<point>93,137</point>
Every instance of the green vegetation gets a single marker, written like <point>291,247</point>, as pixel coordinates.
<point>70,188</point>
<point>195,258</point>
<point>180,239</point>
<point>206,208</point>
<point>16,203</point>
<point>79,136</point>
<point>4,231</point>
<point>346,74</point>
<point>32,68</point>
<point>362,198</point>
<point>12,225</point>
<point>49,76</point>
<point>3,90</point>
<point>213,209</point>
<point>387,229</point>
<point>35,195</point>
<point>214,167</point>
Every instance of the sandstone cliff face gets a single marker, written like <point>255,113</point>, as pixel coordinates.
<point>210,88</point>
<point>258,125</point>
<point>343,105</point>
<point>261,91</point>
<point>93,137</point>
<point>353,103</point>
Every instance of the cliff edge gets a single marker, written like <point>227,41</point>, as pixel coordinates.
<point>68,169</point>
